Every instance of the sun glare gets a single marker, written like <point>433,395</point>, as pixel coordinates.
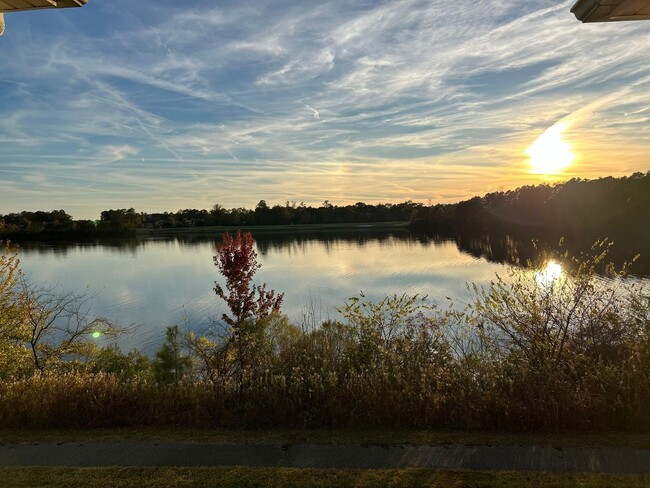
<point>549,275</point>
<point>550,154</point>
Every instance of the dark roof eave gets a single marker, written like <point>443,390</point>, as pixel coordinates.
<point>611,10</point>
<point>22,5</point>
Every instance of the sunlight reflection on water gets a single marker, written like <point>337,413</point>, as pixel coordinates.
<point>547,277</point>
<point>149,284</point>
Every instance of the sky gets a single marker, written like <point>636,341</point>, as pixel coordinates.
<point>162,105</point>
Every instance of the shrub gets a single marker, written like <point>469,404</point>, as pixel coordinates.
<point>171,365</point>
<point>14,357</point>
<point>534,350</point>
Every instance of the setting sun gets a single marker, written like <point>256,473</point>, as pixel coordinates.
<point>550,154</point>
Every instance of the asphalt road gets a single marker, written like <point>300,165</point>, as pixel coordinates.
<point>511,458</point>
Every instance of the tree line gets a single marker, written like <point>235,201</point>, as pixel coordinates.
<point>291,213</point>
<point>605,206</point>
<point>58,224</point>
<point>124,222</point>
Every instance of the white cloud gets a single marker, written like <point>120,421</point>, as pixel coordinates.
<point>118,153</point>
<point>219,103</point>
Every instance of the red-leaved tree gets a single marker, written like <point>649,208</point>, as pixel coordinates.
<point>237,261</point>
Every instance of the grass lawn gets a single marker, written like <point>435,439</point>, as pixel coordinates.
<point>328,436</point>
<point>284,477</point>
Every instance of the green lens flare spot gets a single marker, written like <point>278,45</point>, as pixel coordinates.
<point>97,335</point>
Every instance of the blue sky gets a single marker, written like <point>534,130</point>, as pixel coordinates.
<point>162,105</point>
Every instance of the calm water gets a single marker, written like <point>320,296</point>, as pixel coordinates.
<point>146,285</point>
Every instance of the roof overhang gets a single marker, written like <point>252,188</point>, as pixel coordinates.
<point>610,10</point>
<point>20,5</point>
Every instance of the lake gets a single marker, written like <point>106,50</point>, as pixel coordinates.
<point>149,284</point>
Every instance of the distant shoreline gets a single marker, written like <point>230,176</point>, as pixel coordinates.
<point>172,231</point>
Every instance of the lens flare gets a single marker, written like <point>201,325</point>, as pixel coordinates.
<point>97,335</point>
<point>550,154</point>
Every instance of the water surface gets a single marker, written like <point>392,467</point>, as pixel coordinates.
<point>149,284</point>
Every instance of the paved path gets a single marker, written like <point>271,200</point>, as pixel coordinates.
<point>517,458</point>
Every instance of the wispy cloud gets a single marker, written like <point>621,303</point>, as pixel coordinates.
<point>164,105</point>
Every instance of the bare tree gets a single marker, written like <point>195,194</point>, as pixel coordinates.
<point>60,326</point>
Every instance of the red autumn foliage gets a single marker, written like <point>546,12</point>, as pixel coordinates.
<point>237,261</point>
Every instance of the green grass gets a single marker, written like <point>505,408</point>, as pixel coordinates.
<point>325,436</point>
<point>311,478</point>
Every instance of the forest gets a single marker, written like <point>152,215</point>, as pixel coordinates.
<point>576,206</point>
<point>604,206</point>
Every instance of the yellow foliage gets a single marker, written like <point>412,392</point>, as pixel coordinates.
<point>14,356</point>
